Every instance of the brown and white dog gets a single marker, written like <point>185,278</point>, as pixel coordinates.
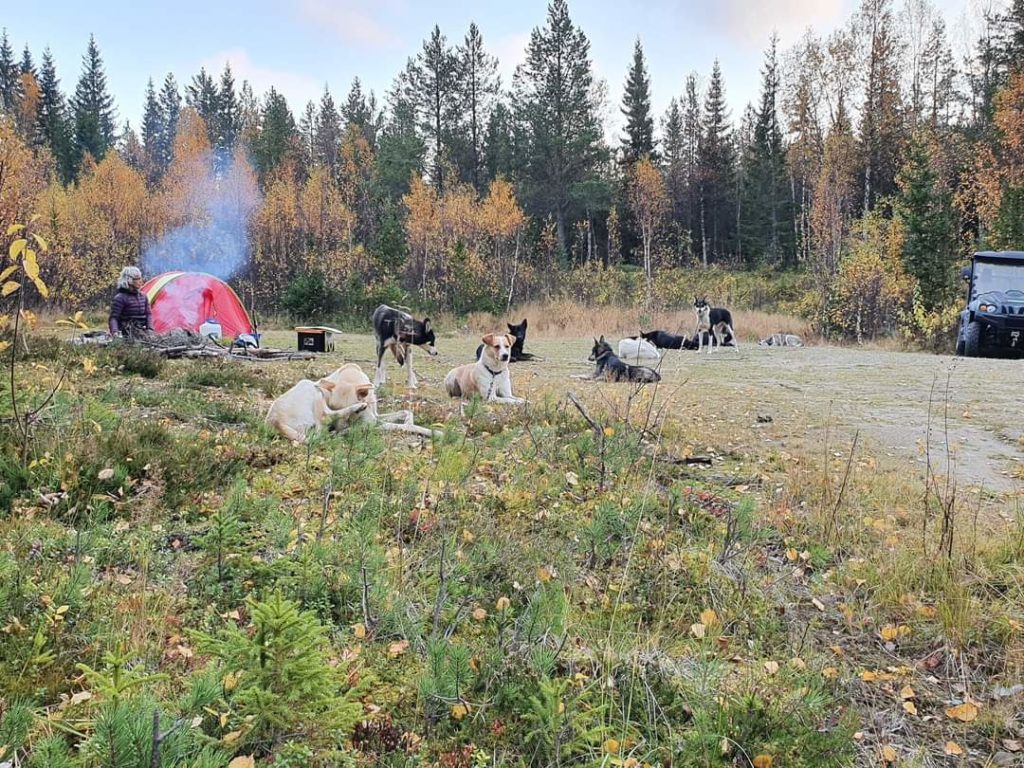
<point>352,386</point>
<point>488,376</point>
<point>305,407</point>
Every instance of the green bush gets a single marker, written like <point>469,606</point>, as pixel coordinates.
<point>310,297</point>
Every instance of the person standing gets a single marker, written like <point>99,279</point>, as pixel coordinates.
<point>130,314</point>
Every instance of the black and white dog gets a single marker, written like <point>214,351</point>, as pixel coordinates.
<point>518,333</point>
<point>715,321</point>
<point>399,331</point>
<point>611,368</point>
<point>666,340</point>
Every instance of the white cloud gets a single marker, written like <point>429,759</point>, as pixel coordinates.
<point>296,88</point>
<point>352,21</point>
<point>750,24</point>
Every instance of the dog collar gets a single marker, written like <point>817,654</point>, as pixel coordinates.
<point>493,373</point>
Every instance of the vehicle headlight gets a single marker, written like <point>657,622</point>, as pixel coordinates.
<point>987,307</point>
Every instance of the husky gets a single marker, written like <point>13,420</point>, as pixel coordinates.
<point>351,386</point>
<point>488,376</point>
<point>398,331</point>
<point>664,339</point>
<point>518,333</point>
<point>715,321</point>
<point>611,368</point>
<point>635,349</point>
<point>781,340</point>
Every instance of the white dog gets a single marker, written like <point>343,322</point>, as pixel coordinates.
<point>488,376</point>
<point>351,386</point>
<point>781,340</point>
<point>634,349</point>
<point>304,408</point>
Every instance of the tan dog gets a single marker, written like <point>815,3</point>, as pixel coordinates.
<point>304,408</point>
<point>488,376</point>
<point>352,386</point>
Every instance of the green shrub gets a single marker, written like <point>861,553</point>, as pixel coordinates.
<point>310,297</point>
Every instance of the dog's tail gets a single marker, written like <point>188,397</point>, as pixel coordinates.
<point>451,385</point>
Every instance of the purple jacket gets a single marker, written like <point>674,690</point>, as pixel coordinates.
<point>130,312</point>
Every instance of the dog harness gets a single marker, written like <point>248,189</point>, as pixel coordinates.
<point>494,375</point>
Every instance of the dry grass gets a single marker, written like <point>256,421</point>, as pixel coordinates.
<point>567,319</point>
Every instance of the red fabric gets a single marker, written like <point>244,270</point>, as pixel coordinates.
<point>188,299</point>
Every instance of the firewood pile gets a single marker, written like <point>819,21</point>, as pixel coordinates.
<point>187,344</point>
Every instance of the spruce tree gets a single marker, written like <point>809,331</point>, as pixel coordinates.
<point>559,111</point>
<point>152,132</point>
<point>477,84</point>
<point>131,150</point>
<point>170,108</point>
<point>27,66</point>
<point>203,96</point>
<point>277,136</point>
<point>248,112</point>
<point>691,152</point>
<point>673,143</point>
<point>307,135</point>
<point>93,107</point>
<point>10,83</point>
<point>51,120</point>
<point>499,144</point>
<point>361,111</point>
<point>328,132</point>
<point>636,108</point>
<point>929,246</point>
<point>227,111</point>
<point>401,151</point>
<point>716,175</point>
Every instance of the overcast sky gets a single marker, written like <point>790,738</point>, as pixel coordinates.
<point>299,46</point>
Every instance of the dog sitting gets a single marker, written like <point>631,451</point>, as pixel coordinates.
<point>715,321</point>
<point>781,340</point>
<point>488,376</point>
<point>610,368</point>
<point>398,331</point>
<point>352,386</point>
<point>304,408</point>
<point>519,334</point>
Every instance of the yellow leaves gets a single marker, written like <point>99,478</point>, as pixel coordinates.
<point>830,673</point>
<point>14,229</point>
<point>965,713</point>
<point>611,747</point>
<point>889,754</point>
<point>359,630</point>
<point>953,749</point>
<point>909,708</point>
<point>468,536</point>
<point>609,431</point>
<point>8,272</point>
<point>244,761</point>
<point>17,248</point>
<point>88,365</point>
<point>890,633</point>
<point>503,604</point>
<point>764,761</point>
<point>9,287</point>
<point>398,648</point>
<point>771,667</point>
<point>906,692</point>
<point>708,617</point>
<point>459,711</point>
<point>479,614</point>
<point>231,681</point>
<point>544,574</point>
<point>698,630</point>
<point>231,737</point>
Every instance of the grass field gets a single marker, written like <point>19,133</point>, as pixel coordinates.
<point>841,584</point>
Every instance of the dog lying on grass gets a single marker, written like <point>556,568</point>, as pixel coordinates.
<point>518,333</point>
<point>781,340</point>
<point>304,408</point>
<point>610,368</point>
<point>352,386</point>
<point>488,376</point>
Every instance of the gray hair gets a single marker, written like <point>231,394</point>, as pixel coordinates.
<point>127,275</point>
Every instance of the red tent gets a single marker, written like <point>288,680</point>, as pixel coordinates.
<point>188,299</point>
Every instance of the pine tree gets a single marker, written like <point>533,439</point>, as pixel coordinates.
<point>433,77</point>
<point>93,107</point>
<point>307,135</point>
<point>402,150</point>
<point>558,109</point>
<point>806,143</point>
<point>170,109</point>
<point>204,97</point>
<point>227,112</point>
<point>131,150</point>
<point>360,110</point>
<point>499,144</point>
<point>477,84</point>
<point>636,108</point>
<point>277,136</point>
<point>153,131</point>
<point>27,66</point>
<point>328,131</point>
<point>1013,48</point>
<point>716,173</point>
<point>691,152</point>
<point>10,84</point>
<point>929,247</point>
<point>248,112</point>
<point>673,142</point>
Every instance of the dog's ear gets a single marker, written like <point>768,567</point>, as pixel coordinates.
<point>523,323</point>
<point>426,324</point>
<point>488,339</point>
<point>511,328</point>
<point>326,384</point>
<point>363,391</point>
<point>510,339</point>
<point>601,340</point>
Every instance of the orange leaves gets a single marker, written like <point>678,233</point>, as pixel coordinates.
<point>965,713</point>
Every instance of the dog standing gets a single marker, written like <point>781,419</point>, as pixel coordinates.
<point>781,340</point>
<point>716,321</point>
<point>399,331</point>
<point>610,368</point>
<point>488,376</point>
<point>304,408</point>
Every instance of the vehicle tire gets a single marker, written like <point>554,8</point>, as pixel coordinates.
<point>959,346</point>
<point>972,339</point>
